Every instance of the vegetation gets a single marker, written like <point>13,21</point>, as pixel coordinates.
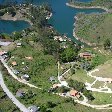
<point>94,28</point>
<point>44,52</point>
<point>102,3</point>
<point>79,86</point>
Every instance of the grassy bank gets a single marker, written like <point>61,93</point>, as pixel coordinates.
<point>94,28</point>
<point>95,3</point>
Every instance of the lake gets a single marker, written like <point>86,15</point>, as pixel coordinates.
<point>62,19</point>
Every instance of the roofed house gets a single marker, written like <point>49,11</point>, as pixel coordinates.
<point>86,55</point>
<point>34,108</point>
<point>19,44</point>
<point>15,72</point>
<point>25,77</point>
<point>74,93</point>
<point>3,53</point>
<point>20,93</point>
<point>52,79</point>
<point>14,63</point>
<point>55,86</point>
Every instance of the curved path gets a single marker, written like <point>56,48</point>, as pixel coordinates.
<point>105,89</point>
<point>11,96</point>
<point>14,76</point>
<point>85,100</point>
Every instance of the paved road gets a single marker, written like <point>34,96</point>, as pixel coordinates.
<point>11,96</point>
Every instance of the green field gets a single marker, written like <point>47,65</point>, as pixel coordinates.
<point>102,98</point>
<point>94,28</point>
<point>105,70</point>
<point>81,76</point>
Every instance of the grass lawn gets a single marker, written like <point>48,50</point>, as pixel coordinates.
<point>105,70</point>
<point>102,98</point>
<point>81,76</point>
<point>98,84</point>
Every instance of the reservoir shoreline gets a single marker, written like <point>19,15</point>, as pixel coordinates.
<point>76,19</point>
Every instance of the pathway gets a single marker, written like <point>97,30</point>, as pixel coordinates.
<point>14,76</point>
<point>85,100</point>
<point>103,89</point>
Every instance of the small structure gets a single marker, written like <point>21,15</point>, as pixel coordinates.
<point>19,44</point>
<point>29,58</point>
<point>74,93</point>
<point>64,83</point>
<point>25,77</point>
<point>86,55</point>
<point>3,53</point>
<point>55,86</point>
<point>20,93</point>
<point>52,79</point>
<point>33,108</point>
<point>14,63</point>
<point>5,57</point>
<point>15,72</point>
<point>59,38</point>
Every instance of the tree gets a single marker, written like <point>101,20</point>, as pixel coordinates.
<point>107,44</point>
<point>88,94</point>
<point>16,35</point>
<point>79,86</point>
<point>68,55</point>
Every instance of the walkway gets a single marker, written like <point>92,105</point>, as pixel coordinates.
<point>85,100</point>
<point>11,96</point>
<point>103,89</point>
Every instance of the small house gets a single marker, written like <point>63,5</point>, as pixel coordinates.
<point>86,55</point>
<point>19,44</point>
<point>5,57</point>
<point>55,86</point>
<point>14,63</point>
<point>52,79</point>
<point>74,93</point>
<point>15,72</point>
<point>25,77</point>
<point>3,53</point>
<point>34,108</point>
<point>20,93</point>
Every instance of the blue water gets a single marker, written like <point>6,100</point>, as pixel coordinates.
<point>62,19</point>
<point>11,26</point>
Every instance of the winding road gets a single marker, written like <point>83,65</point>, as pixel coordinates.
<point>14,76</point>
<point>11,96</point>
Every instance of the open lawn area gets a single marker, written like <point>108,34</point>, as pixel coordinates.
<point>105,70</point>
<point>81,76</point>
<point>98,84</point>
<point>102,98</point>
<point>94,28</point>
